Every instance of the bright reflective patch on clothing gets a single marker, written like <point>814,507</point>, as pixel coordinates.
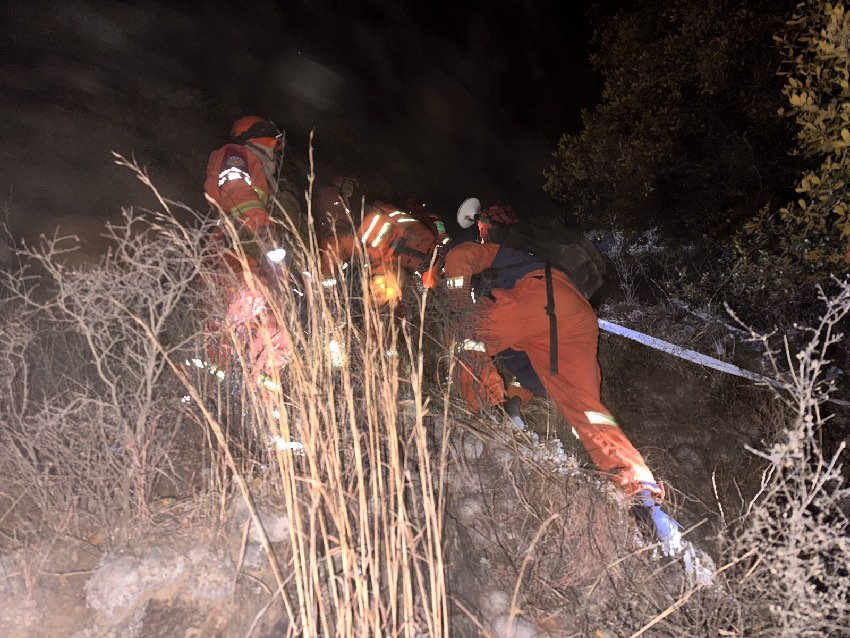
<point>454,283</point>
<point>277,255</point>
<point>599,418</point>
<point>470,344</point>
<point>365,235</point>
<point>232,174</point>
<point>384,229</point>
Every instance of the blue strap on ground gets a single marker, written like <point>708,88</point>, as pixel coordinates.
<point>692,355</point>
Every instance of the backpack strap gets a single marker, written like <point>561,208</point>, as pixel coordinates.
<point>400,247</point>
<point>553,321</point>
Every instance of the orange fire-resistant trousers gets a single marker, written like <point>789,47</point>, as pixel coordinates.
<point>241,307</point>
<point>517,319</point>
<point>249,323</point>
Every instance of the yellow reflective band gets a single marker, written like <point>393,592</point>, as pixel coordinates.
<point>369,230</point>
<point>261,194</point>
<point>454,282</point>
<point>245,206</point>
<point>406,220</point>
<point>598,418</point>
<point>398,212</point>
<point>381,234</point>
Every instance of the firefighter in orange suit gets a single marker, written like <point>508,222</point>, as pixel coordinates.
<point>240,182</point>
<point>396,245</point>
<point>521,304</point>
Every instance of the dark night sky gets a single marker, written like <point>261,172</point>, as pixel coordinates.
<point>439,100</point>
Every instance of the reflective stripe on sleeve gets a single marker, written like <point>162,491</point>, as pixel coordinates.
<point>384,229</point>
<point>365,235</point>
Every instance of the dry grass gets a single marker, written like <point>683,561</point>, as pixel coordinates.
<point>94,368</point>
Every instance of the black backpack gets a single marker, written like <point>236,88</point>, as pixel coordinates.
<point>565,249</point>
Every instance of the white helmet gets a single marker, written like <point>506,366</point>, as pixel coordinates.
<point>468,212</point>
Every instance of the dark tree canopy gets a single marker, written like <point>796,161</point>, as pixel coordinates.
<point>686,137</point>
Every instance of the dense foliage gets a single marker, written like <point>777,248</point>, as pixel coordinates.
<point>804,242</point>
<point>686,136</point>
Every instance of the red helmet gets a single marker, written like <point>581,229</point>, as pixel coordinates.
<point>257,131</point>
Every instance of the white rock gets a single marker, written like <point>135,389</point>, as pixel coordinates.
<point>275,523</point>
<point>126,581</point>
<point>212,577</point>
<point>470,509</point>
<point>505,626</point>
<point>473,448</point>
<point>502,455</point>
<point>494,602</point>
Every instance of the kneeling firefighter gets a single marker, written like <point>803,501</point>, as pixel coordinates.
<point>510,300</point>
<point>396,245</point>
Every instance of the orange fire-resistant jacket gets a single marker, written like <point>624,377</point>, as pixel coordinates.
<point>514,316</point>
<point>392,236</point>
<point>235,179</point>
<point>392,239</point>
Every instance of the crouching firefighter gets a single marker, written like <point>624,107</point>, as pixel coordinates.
<point>249,249</point>
<point>510,300</point>
<point>396,245</point>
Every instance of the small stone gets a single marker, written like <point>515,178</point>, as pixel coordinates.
<point>506,626</point>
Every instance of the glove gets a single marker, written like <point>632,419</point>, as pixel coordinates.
<point>667,530</point>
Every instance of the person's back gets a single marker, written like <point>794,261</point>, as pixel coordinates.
<point>392,236</point>
<point>238,181</point>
